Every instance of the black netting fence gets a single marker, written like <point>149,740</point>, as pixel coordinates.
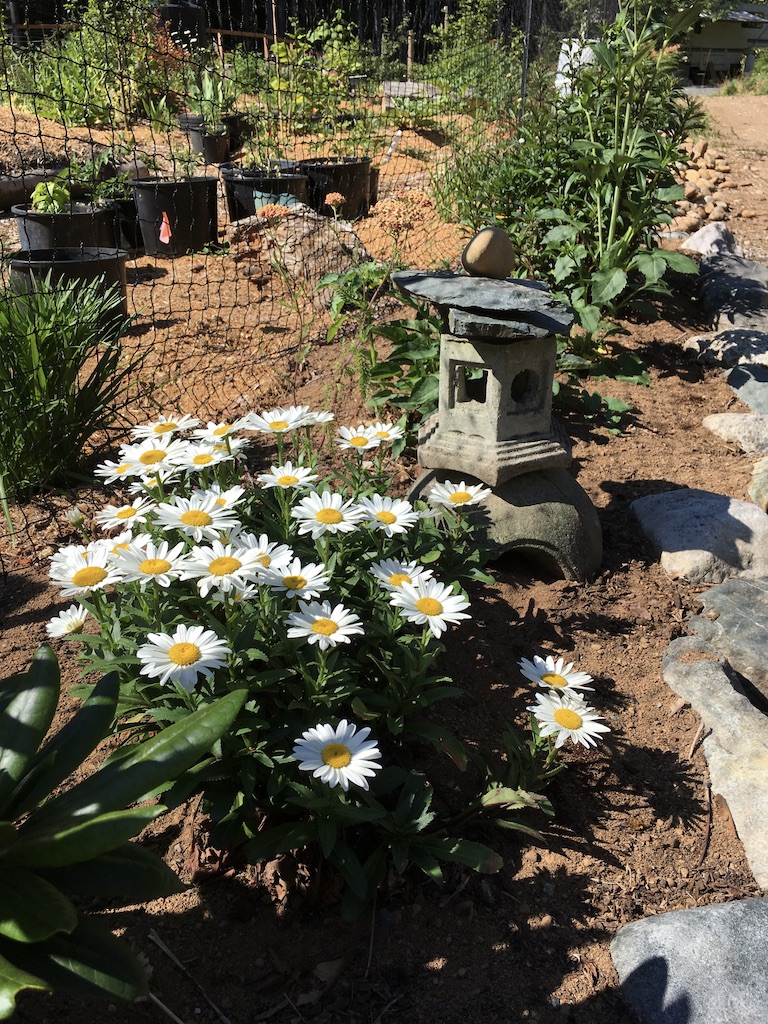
<point>177,180</point>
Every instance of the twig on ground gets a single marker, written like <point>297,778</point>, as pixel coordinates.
<point>164,1008</point>
<point>707,824</point>
<point>696,739</point>
<point>295,1007</point>
<point>154,937</point>
<point>390,1003</point>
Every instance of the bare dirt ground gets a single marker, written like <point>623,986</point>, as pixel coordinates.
<point>635,831</point>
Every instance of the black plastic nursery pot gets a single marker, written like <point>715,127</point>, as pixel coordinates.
<point>190,122</point>
<point>84,264</point>
<point>350,177</point>
<point>82,224</point>
<point>214,148</point>
<point>177,217</point>
<point>128,230</point>
<point>248,189</point>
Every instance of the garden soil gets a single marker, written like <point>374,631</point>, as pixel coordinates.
<point>637,830</point>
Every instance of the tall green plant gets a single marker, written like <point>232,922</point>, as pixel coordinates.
<point>62,376</point>
<point>77,843</point>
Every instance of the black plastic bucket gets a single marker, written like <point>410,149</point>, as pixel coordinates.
<point>350,177</point>
<point>214,148</point>
<point>84,264</point>
<point>248,189</point>
<point>177,217</point>
<point>91,226</point>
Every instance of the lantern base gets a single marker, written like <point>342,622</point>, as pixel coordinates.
<point>545,515</point>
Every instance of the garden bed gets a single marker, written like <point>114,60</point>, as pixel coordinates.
<point>635,832</point>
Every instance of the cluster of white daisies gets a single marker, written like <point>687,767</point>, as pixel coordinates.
<point>563,712</point>
<point>200,537</point>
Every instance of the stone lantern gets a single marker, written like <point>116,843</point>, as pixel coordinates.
<point>494,422</point>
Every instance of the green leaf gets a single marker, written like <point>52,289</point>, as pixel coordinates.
<point>12,981</point>
<point>607,284</point>
<point>26,717</point>
<point>475,855</point>
<point>679,262</point>
<point>561,233</point>
<point>88,961</point>
<point>327,833</point>
<point>130,873</point>
<point>60,844</point>
<point>441,738</point>
<point>350,867</point>
<point>651,265</point>
<point>140,769</point>
<point>281,838</point>
<point>31,909</point>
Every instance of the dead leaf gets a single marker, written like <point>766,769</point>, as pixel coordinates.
<point>676,706</point>
<point>329,970</point>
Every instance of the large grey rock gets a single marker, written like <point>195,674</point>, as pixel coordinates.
<point>735,740</point>
<point>734,291</point>
<point>735,621</point>
<point>705,537</point>
<point>750,382</point>
<point>699,966</point>
<point>730,347</point>
<point>713,238</point>
<point>749,431</point>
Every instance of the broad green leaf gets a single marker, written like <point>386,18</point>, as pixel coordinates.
<point>679,262</point>
<point>31,909</point>
<point>350,867</point>
<point>130,873</point>
<point>427,863</point>
<point>281,838</point>
<point>76,840</point>
<point>143,767</point>
<point>443,739</point>
<point>475,855</point>
<point>27,717</point>
<point>69,747</point>
<point>651,265</point>
<point>607,284</point>
<point>88,961</point>
<point>561,233</point>
<point>12,981</point>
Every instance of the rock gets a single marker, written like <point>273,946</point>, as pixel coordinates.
<point>699,149</point>
<point>750,432</point>
<point>718,213</point>
<point>748,213</point>
<point>733,289</point>
<point>730,348</point>
<point>705,537</point>
<point>489,254</point>
<point>735,739</point>
<point>750,382</point>
<point>713,238</point>
<point>735,621</point>
<point>699,966</point>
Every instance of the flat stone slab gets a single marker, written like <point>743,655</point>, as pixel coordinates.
<point>713,238</point>
<point>730,347</point>
<point>502,300</point>
<point>750,382</point>
<point>735,621</point>
<point>705,537</point>
<point>733,288</point>
<point>748,430</point>
<point>699,966</point>
<point>735,740</point>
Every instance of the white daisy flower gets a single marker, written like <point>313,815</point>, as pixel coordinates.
<point>457,495</point>
<point>202,456</point>
<point>298,580</point>
<point>198,518</point>
<point>566,716</point>
<point>326,513</point>
<point>270,554</point>
<point>216,432</point>
<point>338,756</point>
<point>122,541</point>
<point>153,481</point>
<point>392,574</point>
<point>317,419</point>
<point>183,656</point>
<point>113,516</point>
<point>154,453</point>
<point>287,475</point>
<point>321,624</point>
<point>392,515</point>
<point>233,446</point>
<point>71,620</point>
<point>145,562</point>
<point>430,603</point>
<point>555,674</point>
<point>111,472</point>
<point>360,438</point>
<point>222,567</point>
<point>387,431</point>
<point>80,570</point>
<point>278,421</point>
<point>225,496</point>
<point>165,426</point>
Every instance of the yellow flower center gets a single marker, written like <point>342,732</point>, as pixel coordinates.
<point>224,566</point>
<point>359,441</point>
<point>383,434</point>
<point>278,425</point>
<point>90,576</point>
<point>203,459</point>
<point>265,560</point>
<point>287,480</point>
<point>386,517</point>
<point>222,430</point>
<point>152,456</point>
<point>329,516</point>
<point>75,627</point>
<point>460,497</point>
<point>221,502</point>
<point>184,654</point>
<point>122,468</point>
<point>325,627</point>
<point>554,679</point>
<point>120,547</point>
<point>397,579</point>
<point>154,566</point>
<point>195,517</point>
<point>163,428</point>
<point>126,513</point>
<point>568,719</point>
<point>336,755</point>
<point>294,582</point>
<point>429,606</point>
